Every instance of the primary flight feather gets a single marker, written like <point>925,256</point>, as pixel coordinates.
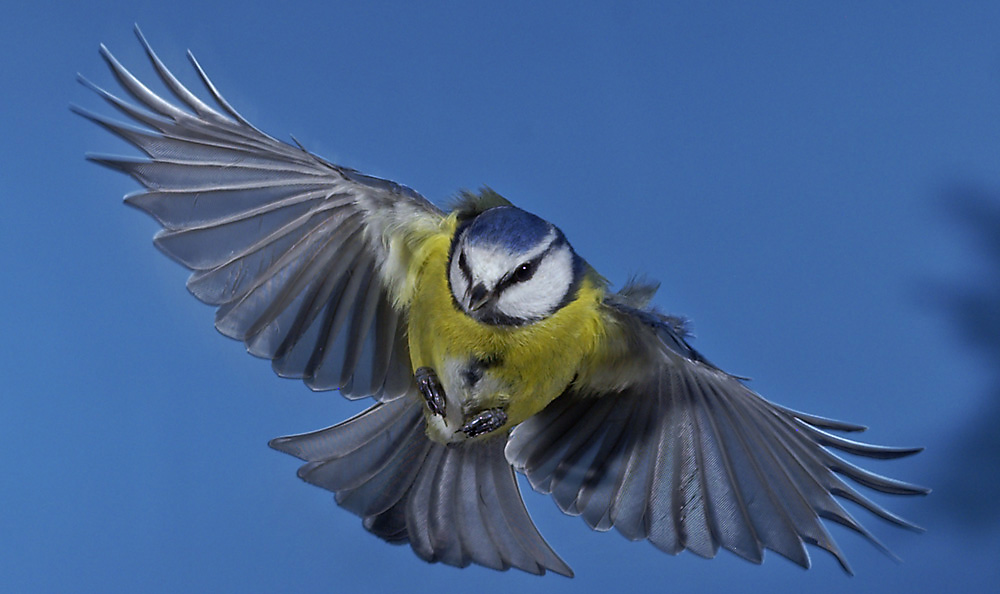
<point>489,345</point>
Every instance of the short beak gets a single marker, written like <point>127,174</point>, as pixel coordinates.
<point>478,296</point>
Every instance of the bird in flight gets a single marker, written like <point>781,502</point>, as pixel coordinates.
<point>489,347</point>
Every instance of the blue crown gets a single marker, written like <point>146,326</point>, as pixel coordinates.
<point>509,226</point>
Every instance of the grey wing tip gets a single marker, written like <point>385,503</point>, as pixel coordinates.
<point>116,163</point>
<point>82,112</point>
<point>905,488</point>
<point>892,453</point>
<point>279,443</point>
<point>823,422</point>
<point>916,528</point>
<point>83,80</point>
<point>286,445</point>
<point>305,470</point>
<point>106,53</point>
<point>563,570</point>
<point>143,41</point>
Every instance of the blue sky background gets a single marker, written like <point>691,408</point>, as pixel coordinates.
<point>817,189</point>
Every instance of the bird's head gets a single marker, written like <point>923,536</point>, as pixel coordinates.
<point>509,267</point>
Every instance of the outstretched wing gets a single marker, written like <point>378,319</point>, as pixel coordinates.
<point>687,456</point>
<point>453,504</point>
<point>305,260</point>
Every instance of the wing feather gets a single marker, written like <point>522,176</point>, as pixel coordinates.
<point>689,458</point>
<point>294,251</point>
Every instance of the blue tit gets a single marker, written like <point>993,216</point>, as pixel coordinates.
<point>489,347</point>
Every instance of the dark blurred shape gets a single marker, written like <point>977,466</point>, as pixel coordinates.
<point>974,306</point>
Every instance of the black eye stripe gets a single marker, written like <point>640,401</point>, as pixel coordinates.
<point>463,265</point>
<point>522,273</point>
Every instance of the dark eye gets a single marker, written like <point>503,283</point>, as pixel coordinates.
<point>524,272</point>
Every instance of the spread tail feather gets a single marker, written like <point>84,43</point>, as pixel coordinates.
<point>457,504</point>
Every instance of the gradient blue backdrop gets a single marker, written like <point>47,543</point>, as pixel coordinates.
<point>816,188</point>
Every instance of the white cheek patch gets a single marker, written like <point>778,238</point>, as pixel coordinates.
<point>457,280</point>
<point>540,295</point>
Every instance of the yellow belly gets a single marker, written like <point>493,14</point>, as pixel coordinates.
<point>526,366</point>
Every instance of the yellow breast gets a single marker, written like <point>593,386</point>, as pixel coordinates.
<point>528,366</point>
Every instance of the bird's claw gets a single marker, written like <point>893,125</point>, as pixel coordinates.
<point>431,389</point>
<point>484,422</point>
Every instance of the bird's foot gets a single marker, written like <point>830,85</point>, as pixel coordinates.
<point>431,389</point>
<point>484,422</point>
